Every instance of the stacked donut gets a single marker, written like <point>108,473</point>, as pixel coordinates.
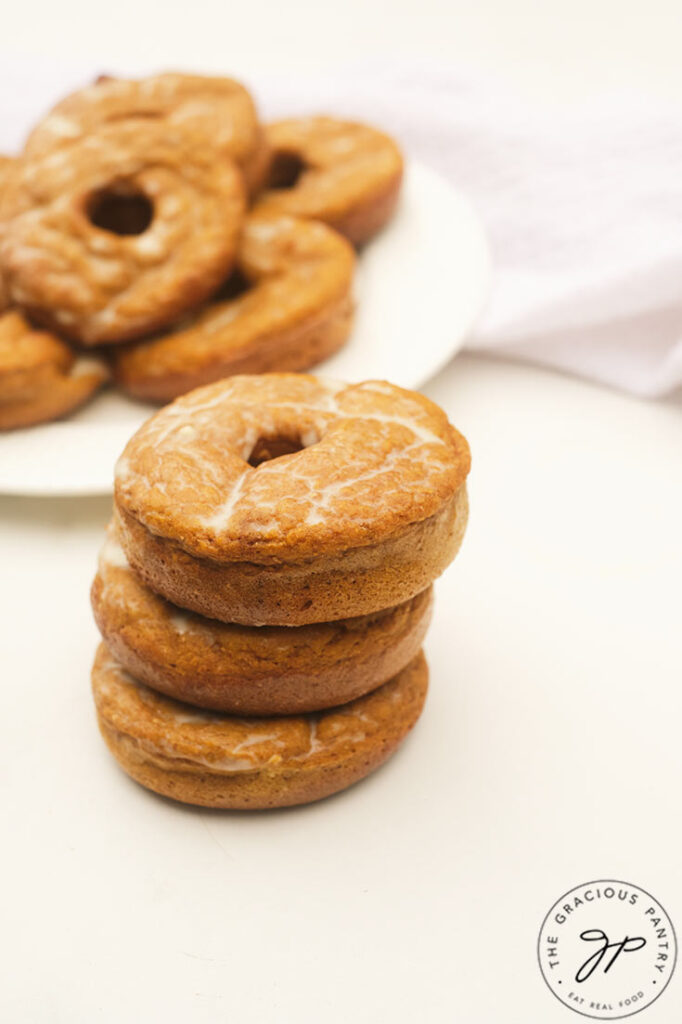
<point>265,586</point>
<point>160,223</point>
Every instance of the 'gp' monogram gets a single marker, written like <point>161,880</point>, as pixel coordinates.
<point>627,945</point>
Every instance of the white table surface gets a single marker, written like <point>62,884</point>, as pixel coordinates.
<point>549,750</point>
<point>548,755</point>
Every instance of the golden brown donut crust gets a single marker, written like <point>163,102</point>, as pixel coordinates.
<point>374,459</point>
<point>366,515</point>
<point>6,162</point>
<point>351,174</point>
<point>217,110</point>
<point>324,589</point>
<point>41,378</point>
<point>98,285</point>
<point>296,312</point>
<point>242,669</point>
<point>245,763</point>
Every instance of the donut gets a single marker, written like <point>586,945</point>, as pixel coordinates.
<point>292,308</point>
<point>267,670</point>
<point>217,109</point>
<point>122,233</point>
<point>40,377</point>
<point>345,174</point>
<point>226,761</point>
<point>6,163</point>
<point>283,499</point>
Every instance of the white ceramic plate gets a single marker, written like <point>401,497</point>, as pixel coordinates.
<point>419,287</point>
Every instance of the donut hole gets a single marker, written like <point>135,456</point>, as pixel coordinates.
<point>268,448</point>
<point>285,170</point>
<point>236,285</point>
<point>120,210</point>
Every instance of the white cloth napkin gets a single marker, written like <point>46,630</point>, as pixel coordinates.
<point>583,210</point>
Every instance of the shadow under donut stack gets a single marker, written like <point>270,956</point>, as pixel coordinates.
<point>265,586</point>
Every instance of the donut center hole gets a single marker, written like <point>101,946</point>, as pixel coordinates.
<point>285,170</point>
<point>235,286</point>
<point>268,448</point>
<point>120,211</point>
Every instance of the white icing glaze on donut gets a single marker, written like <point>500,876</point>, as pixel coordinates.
<point>112,554</point>
<point>85,365</point>
<point>181,623</point>
<point>62,127</point>
<point>235,744</point>
<point>362,446</point>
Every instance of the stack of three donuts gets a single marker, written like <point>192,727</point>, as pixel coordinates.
<point>266,586</point>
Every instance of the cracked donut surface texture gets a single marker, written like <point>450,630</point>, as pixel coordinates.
<point>219,110</point>
<point>293,309</point>
<point>285,499</point>
<point>121,233</point>
<point>251,763</point>
<point>340,172</point>
<point>41,378</point>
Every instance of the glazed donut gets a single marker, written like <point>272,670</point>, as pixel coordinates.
<point>122,233</point>
<point>40,377</point>
<point>345,174</point>
<point>267,670</point>
<point>6,162</point>
<point>282,499</point>
<point>219,110</point>
<point>251,763</point>
<point>296,310</point>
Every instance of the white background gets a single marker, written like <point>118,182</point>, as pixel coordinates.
<point>549,752</point>
<point>557,48</point>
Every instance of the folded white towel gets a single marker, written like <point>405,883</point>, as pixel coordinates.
<point>583,209</point>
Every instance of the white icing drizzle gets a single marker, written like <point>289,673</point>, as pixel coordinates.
<point>180,623</point>
<point>256,738</point>
<point>221,517</point>
<point>62,127</point>
<point>225,764</point>
<point>122,468</point>
<point>86,365</point>
<point>112,554</point>
<point>195,717</point>
<point>356,442</point>
<point>243,755</point>
<point>315,743</point>
<point>150,244</point>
